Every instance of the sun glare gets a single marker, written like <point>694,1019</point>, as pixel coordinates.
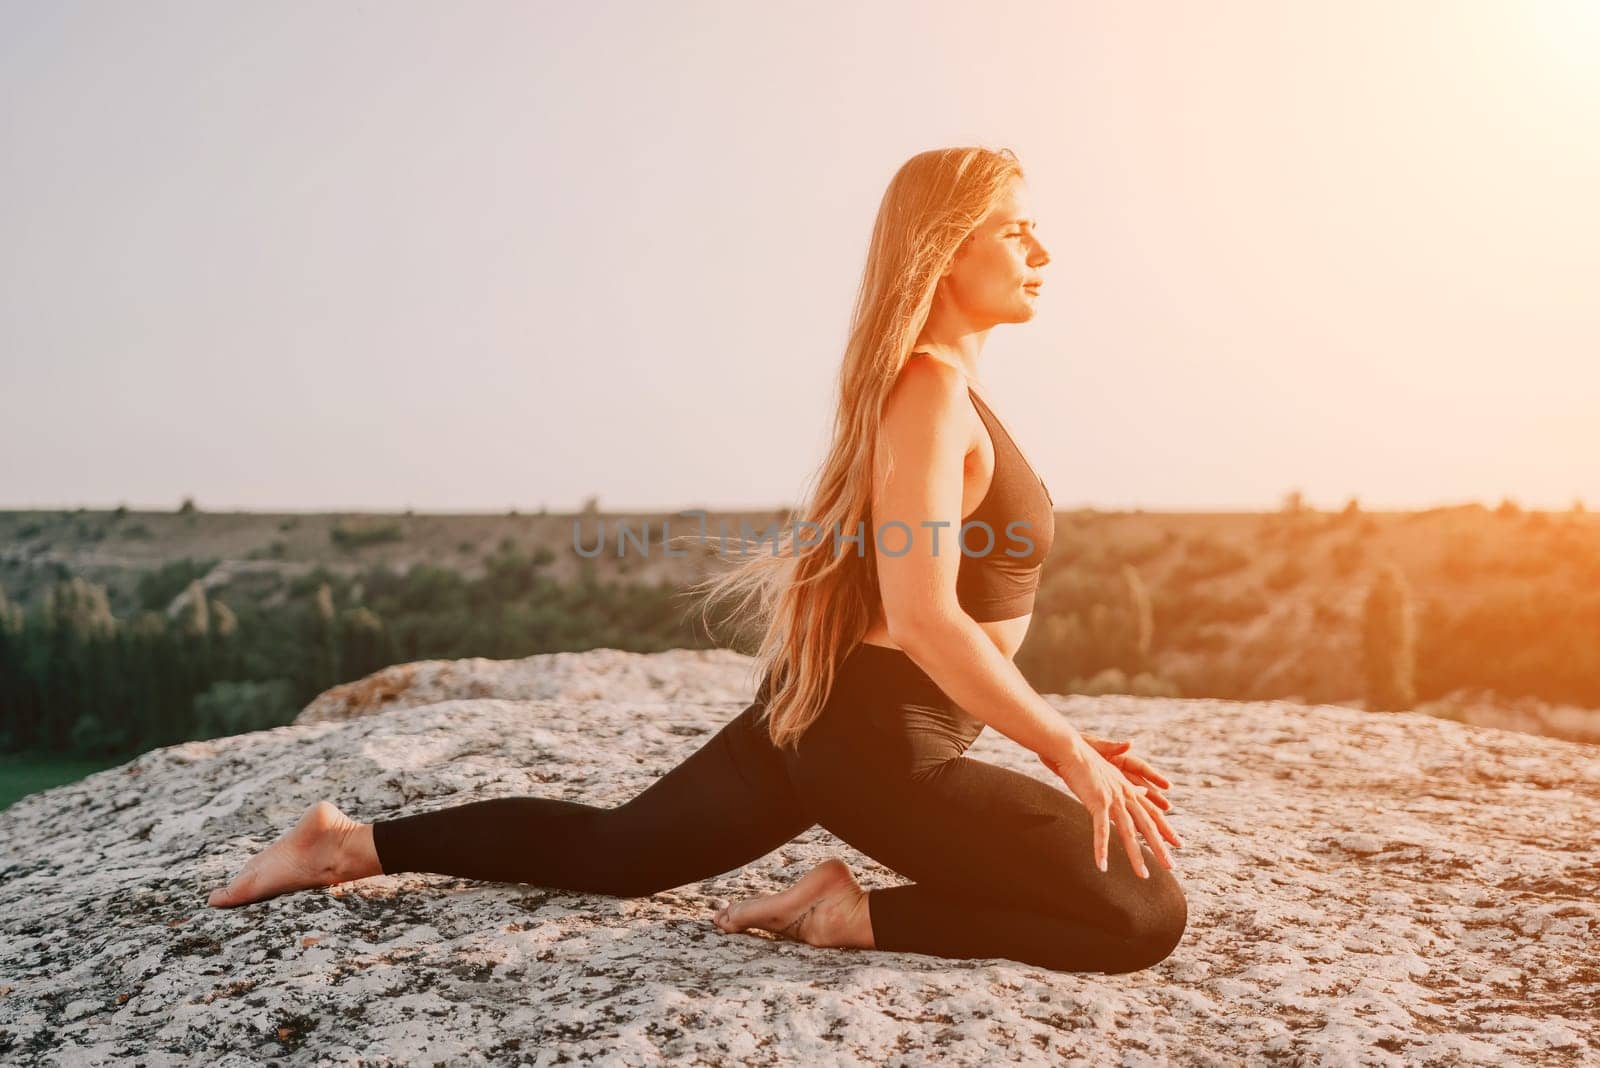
<point>1567,33</point>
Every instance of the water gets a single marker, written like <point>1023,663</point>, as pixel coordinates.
<point>22,774</point>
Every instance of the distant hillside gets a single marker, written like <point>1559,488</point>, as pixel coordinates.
<point>1504,605</point>
<point>1270,605</point>
<point>260,552</point>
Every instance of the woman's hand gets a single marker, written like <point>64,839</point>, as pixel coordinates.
<point>1135,769</point>
<point>1111,797</point>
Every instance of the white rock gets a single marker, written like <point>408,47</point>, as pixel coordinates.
<point>1363,888</point>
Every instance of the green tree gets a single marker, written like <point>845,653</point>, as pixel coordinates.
<point>1142,616</point>
<point>228,708</point>
<point>366,644</point>
<point>322,641</point>
<point>194,617</point>
<point>1389,646</point>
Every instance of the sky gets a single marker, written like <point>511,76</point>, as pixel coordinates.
<point>327,256</point>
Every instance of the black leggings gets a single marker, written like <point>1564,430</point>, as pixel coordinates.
<point>1002,863</point>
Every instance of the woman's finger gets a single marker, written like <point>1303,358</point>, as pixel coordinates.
<point>1147,827</point>
<point>1149,788</point>
<point>1143,767</point>
<point>1133,775</point>
<point>1159,806</point>
<point>1165,828</point>
<point>1130,841</point>
<point>1102,836</point>
<point>1150,806</point>
<point>1154,795</point>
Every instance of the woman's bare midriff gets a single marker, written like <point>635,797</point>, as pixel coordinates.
<point>1007,634</point>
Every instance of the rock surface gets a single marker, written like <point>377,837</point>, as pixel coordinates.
<point>1364,889</point>
<point>1485,708</point>
<point>695,676</point>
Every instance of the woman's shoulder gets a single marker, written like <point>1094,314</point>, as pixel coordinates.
<point>932,380</point>
<point>929,396</point>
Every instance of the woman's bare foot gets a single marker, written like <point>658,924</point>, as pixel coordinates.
<point>825,907</point>
<point>324,848</point>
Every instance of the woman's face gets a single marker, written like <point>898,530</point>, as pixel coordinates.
<point>995,273</point>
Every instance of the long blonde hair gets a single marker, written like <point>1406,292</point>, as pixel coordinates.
<point>813,603</point>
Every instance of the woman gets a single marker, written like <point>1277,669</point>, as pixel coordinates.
<point>884,656</point>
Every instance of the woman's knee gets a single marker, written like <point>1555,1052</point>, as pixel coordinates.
<point>1157,922</point>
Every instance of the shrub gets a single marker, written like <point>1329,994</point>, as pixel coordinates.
<point>1115,680</point>
<point>366,644</point>
<point>1108,680</point>
<point>1208,558</point>
<point>1286,575</point>
<point>358,537</point>
<point>1462,558</point>
<point>194,619</point>
<point>1143,552</point>
<point>1346,557</point>
<point>81,606</point>
<point>273,550</point>
<point>93,737</point>
<point>224,623</point>
<point>1201,639</point>
<point>228,708</point>
<point>1241,607</point>
<point>1145,684</point>
<point>156,589</point>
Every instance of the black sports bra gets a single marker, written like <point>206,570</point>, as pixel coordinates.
<point>1000,566</point>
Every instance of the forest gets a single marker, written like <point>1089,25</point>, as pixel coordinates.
<point>1315,606</point>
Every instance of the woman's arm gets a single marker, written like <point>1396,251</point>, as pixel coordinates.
<point>928,425</point>
<point>966,664</point>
